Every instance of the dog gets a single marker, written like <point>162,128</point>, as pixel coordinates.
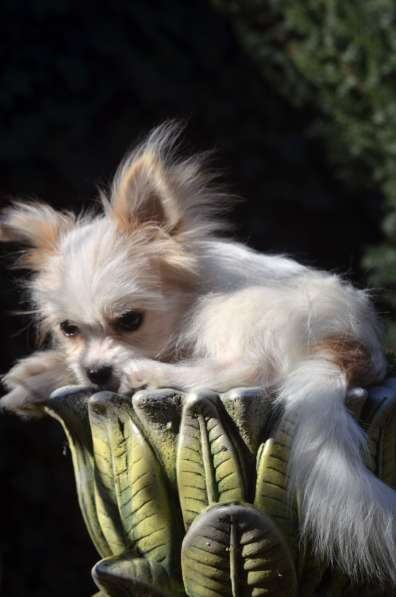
<point>147,293</point>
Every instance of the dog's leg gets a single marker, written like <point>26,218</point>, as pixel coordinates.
<point>190,375</point>
<point>33,379</point>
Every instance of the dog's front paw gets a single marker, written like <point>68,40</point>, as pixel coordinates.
<point>140,375</point>
<point>22,401</point>
<point>36,364</point>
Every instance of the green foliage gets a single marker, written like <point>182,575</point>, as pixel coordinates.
<point>339,58</point>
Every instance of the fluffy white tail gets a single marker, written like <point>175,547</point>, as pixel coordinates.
<point>347,513</point>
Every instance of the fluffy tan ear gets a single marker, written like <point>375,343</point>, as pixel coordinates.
<point>143,192</point>
<point>36,225</point>
<point>152,191</point>
<point>155,187</point>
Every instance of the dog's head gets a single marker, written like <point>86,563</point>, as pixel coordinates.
<point>114,286</point>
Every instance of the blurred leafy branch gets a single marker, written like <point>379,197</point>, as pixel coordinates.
<point>339,58</point>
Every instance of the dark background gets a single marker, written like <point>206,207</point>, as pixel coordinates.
<point>80,82</point>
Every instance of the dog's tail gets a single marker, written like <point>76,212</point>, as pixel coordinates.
<point>347,514</point>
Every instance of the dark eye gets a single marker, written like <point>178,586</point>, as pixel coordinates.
<point>129,321</point>
<point>69,328</point>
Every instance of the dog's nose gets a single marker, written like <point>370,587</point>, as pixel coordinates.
<point>100,376</point>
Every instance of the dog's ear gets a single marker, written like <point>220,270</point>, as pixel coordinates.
<point>143,192</point>
<point>155,187</point>
<point>37,226</point>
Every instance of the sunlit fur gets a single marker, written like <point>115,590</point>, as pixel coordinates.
<point>216,315</point>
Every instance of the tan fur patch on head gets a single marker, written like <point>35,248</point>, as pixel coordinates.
<point>36,225</point>
<point>351,356</point>
<point>179,271</point>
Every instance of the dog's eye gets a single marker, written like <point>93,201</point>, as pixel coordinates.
<point>129,322</point>
<point>69,329</point>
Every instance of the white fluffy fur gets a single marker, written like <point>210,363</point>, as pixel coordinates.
<point>217,315</point>
<point>347,513</point>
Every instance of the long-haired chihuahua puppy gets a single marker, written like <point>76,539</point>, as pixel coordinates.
<point>145,294</point>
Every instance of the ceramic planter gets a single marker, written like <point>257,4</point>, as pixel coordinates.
<point>186,494</point>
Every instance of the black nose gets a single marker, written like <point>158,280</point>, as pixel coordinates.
<point>100,376</point>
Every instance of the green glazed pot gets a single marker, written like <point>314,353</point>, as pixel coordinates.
<point>186,494</point>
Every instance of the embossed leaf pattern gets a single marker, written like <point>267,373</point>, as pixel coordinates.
<point>69,407</point>
<point>272,498</point>
<point>208,467</point>
<point>137,492</point>
<point>142,498</point>
<point>123,458</point>
<point>103,424</point>
<point>271,487</point>
<point>234,550</point>
<point>159,414</point>
<point>126,576</point>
